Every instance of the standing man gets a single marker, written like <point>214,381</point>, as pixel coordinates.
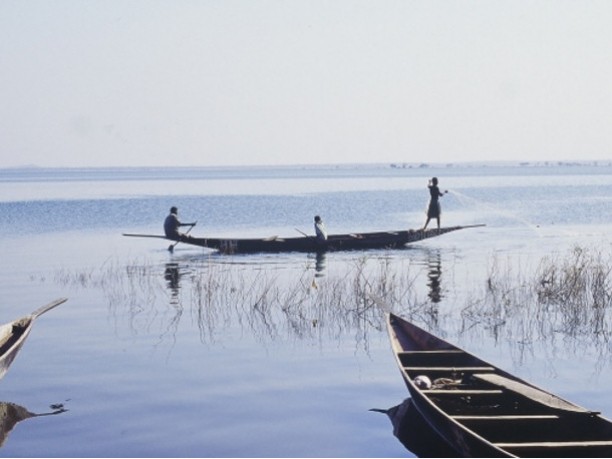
<point>172,224</point>
<point>434,210</point>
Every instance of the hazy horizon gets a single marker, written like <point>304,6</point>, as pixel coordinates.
<point>313,166</point>
<point>151,83</point>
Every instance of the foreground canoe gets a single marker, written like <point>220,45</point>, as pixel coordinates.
<point>480,410</point>
<point>14,334</point>
<point>353,241</point>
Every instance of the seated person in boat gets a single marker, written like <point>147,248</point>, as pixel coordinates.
<point>172,225</point>
<point>320,230</point>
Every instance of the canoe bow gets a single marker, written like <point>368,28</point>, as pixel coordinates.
<point>13,334</point>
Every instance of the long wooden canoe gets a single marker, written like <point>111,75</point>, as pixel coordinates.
<point>14,334</point>
<point>480,410</point>
<point>353,241</point>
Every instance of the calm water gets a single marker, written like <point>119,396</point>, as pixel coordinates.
<point>199,354</point>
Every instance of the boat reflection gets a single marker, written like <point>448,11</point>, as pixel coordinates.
<point>11,414</point>
<point>261,296</point>
<point>271,297</point>
<point>411,429</point>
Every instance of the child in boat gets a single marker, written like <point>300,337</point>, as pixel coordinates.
<point>320,230</point>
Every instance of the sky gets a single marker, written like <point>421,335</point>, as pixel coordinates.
<point>103,83</point>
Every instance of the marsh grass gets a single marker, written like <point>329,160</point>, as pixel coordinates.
<point>578,290</point>
<point>270,303</point>
<point>568,294</point>
<point>304,307</point>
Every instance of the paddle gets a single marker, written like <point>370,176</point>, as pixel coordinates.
<point>308,235</point>
<point>302,232</point>
<point>171,246</point>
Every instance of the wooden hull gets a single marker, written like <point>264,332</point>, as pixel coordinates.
<point>12,337</point>
<point>356,241</point>
<point>482,411</point>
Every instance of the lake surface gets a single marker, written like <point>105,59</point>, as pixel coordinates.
<point>197,354</point>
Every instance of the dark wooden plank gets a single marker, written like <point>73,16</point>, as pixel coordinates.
<point>530,392</point>
<point>507,417</point>
<point>457,369</point>
<point>462,391</point>
<point>432,352</point>
<point>555,444</point>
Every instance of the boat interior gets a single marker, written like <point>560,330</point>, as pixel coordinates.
<point>512,415</point>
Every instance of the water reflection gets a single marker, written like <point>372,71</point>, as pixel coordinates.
<point>411,429</point>
<point>320,264</point>
<point>173,277</point>
<point>434,274</point>
<point>270,298</point>
<point>274,298</point>
<point>11,414</point>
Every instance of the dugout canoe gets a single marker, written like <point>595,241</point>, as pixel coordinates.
<point>334,242</point>
<point>14,334</point>
<point>480,410</point>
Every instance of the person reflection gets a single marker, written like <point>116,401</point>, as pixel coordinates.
<point>320,264</point>
<point>319,267</point>
<point>173,277</point>
<point>434,274</point>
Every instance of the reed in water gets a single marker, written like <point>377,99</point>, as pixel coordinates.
<point>569,294</point>
<point>271,303</point>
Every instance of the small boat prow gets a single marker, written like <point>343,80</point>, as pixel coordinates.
<point>47,307</point>
<point>14,334</point>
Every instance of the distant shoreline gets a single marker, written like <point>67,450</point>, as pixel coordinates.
<point>333,166</point>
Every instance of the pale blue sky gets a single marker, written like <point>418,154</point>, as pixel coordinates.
<point>228,82</point>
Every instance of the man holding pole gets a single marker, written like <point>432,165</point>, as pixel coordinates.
<point>172,224</point>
